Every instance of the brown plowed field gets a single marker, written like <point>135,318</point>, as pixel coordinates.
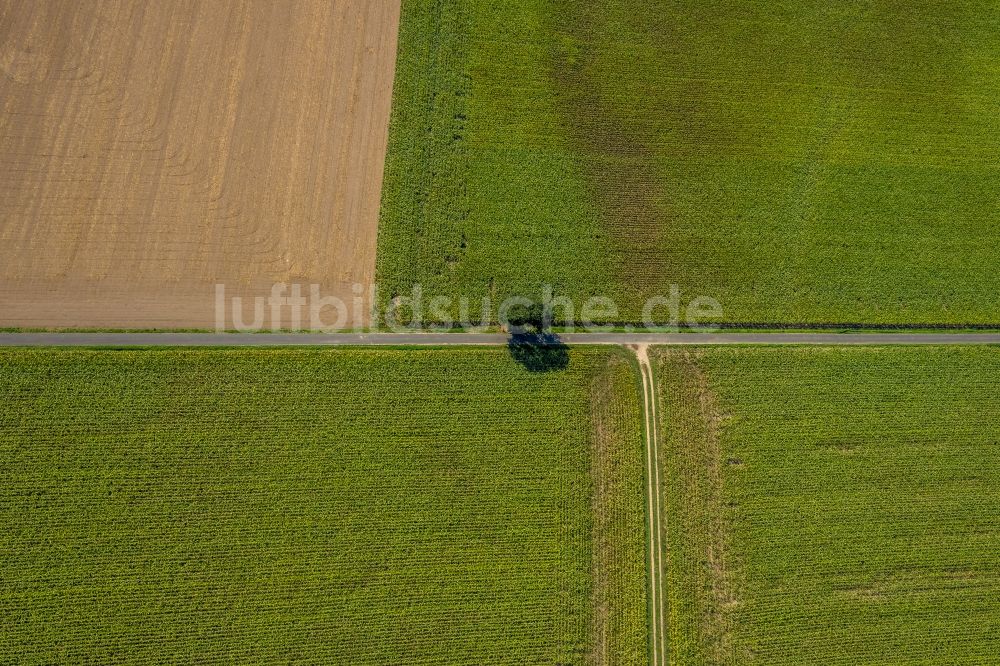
<point>151,150</point>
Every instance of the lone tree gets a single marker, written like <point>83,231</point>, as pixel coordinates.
<point>529,319</point>
<point>539,353</point>
<point>532,343</point>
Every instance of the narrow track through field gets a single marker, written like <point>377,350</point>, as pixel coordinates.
<point>658,626</point>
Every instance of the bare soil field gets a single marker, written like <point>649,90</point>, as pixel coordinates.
<point>151,150</point>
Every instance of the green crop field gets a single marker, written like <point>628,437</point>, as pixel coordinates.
<point>832,506</point>
<point>336,506</point>
<point>800,161</point>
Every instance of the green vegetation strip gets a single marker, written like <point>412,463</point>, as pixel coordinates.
<point>349,506</point>
<point>831,505</point>
<point>802,162</point>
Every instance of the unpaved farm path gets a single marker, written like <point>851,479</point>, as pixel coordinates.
<point>658,626</point>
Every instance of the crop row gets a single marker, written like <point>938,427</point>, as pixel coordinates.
<point>832,505</point>
<point>800,165</point>
<point>420,506</point>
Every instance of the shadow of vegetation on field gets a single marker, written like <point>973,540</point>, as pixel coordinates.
<point>538,352</point>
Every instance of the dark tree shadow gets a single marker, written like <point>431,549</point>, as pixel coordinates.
<point>538,352</point>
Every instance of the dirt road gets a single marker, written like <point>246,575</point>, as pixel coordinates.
<point>658,626</point>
